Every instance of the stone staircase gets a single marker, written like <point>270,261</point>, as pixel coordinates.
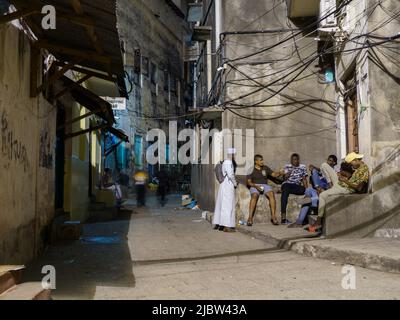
<point>11,287</point>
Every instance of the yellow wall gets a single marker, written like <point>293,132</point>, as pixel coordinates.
<point>77,166</point>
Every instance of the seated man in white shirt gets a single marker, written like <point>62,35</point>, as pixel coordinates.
<point>325,177</point>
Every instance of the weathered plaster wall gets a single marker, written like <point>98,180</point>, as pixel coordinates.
<point>377,71</point>
<point>160,34</point>
<point>309,130</point>
<point>26,154</point>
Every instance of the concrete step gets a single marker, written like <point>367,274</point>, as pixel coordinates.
<point>69,230</point>
<point>27,291</point>
<point>9,277</point>
<point>380,254</point>
<point>102,215</point>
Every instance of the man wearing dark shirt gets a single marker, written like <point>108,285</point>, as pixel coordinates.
<point>258,183</point>
<point>295,183</point>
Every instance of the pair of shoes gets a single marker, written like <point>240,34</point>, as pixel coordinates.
<point>295,225</point>
<point>314,229</point>
<point>221,228</point>
<point>285,221</point>
<point>274,222</point>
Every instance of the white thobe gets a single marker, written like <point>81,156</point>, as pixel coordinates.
<point>224,213</point>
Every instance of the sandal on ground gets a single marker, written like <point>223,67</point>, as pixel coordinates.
<point>274,222</point>
<point>314,229</point>
<point>249,224</point>
<point>229,229</point>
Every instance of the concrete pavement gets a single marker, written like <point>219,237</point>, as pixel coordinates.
<point>381,254</point>
<point>165,253</point>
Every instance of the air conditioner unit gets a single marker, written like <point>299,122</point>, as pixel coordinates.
<point>327,9</point>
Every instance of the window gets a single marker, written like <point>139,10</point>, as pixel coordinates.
<point>178,93</point>
<point>136,61</point>
<point>145,66</point>
<point>153,73</point>
<point>166,81</point>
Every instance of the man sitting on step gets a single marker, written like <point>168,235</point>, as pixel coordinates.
<point>358,183</point>
<point>346,170</point>
<point>258,183</point>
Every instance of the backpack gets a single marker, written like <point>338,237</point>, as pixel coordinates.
<point>218,172</point>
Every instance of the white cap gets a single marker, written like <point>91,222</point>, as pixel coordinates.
<point>231,151</point>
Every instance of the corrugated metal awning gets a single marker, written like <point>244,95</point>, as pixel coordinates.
<point>90,101</point>
<point>86,32</point>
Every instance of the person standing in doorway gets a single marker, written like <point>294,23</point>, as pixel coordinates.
<point>224,214</point>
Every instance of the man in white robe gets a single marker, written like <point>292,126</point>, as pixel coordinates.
<point>224,213</point>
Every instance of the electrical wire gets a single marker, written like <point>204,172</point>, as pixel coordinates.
<point>344,3</point>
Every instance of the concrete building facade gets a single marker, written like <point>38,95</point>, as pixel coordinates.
<point>367,91</point>
<point>340,55</point>
<point>154,35</point>
<point>268,72</point>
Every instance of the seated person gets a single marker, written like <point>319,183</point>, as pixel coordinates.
<point>107,182</point>
<point>325,177</point>
<point>357,183</point>
<point>295,183</point>
<point>321,179</point>
<point>346,170</point>
<point>258,183</point>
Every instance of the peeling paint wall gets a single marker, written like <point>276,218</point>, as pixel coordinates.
<point>27,152</point>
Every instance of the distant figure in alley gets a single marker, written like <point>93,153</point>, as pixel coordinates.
<point>163,184</point>
<point>107,182</point>
<point>140,178</point>
<point>224,214</point>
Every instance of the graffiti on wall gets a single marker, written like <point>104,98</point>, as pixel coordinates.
<point>11,147</point>
<point>45,154</point>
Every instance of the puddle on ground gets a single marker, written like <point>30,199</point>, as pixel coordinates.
<point>101,240</point>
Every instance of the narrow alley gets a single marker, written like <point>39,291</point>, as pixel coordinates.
<point>199,149</point>
<point>170,253</point>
